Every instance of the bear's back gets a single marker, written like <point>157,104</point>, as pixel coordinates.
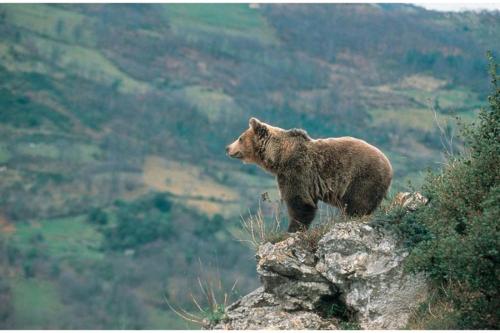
<point>351,155</point>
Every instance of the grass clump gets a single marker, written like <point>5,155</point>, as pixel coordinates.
<point>311,237</point>
<point>257,230</point>
<point>209,309</point>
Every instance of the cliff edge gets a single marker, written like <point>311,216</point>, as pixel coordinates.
<point>352,276</point>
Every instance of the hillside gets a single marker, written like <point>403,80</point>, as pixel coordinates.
<point>114,118</point>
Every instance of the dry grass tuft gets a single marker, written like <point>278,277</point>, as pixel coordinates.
<point>257,230</point>
<point>311,237</point>
<point>210,308</point>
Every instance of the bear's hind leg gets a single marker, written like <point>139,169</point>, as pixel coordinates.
<point>300,214</point>
<point>362,199</point>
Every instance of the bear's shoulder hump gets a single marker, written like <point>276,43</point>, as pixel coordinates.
<point>297,132</point>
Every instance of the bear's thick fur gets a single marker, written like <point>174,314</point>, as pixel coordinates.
<point>345,172</point>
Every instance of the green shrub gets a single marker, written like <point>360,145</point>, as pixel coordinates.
<point>209,226</point>
<point>461,253</point>
<point>98,216</point>
<point>139,222</point>
<point>404,223</point>
<point>162,203</point>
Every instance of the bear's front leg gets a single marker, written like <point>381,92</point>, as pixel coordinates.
<point>300,214</point>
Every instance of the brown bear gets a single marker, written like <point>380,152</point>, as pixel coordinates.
<point>345,172</point>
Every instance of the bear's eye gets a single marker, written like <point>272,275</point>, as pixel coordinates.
<point>240,139</point>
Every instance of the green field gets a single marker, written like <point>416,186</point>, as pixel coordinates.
<point>237,20</point>
<point>215,104</point>
<point>87,63</point>
<point>38,150</point>
<point>4,154</point>
<point>52,22</point>
<point>36,304</point>
<point>70,238</point>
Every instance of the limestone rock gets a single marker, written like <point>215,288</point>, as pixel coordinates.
<point>261,310</point>
<point>287,270</point>
<point>366,264</point>
<point>354,266</point>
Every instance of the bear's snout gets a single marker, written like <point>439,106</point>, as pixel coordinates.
<point>233,151</point>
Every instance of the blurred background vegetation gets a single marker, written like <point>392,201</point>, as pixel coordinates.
<point>115,190</point>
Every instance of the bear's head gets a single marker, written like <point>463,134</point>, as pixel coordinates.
<point>265,145</point>
<point>250,143</point>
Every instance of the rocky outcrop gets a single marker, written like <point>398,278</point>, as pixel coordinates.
<point>366,265</point>
<point>264,310</point>
<point>351,275</point>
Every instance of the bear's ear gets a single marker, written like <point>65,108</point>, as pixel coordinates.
<point>254,122</point>
<point>258,127</point>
